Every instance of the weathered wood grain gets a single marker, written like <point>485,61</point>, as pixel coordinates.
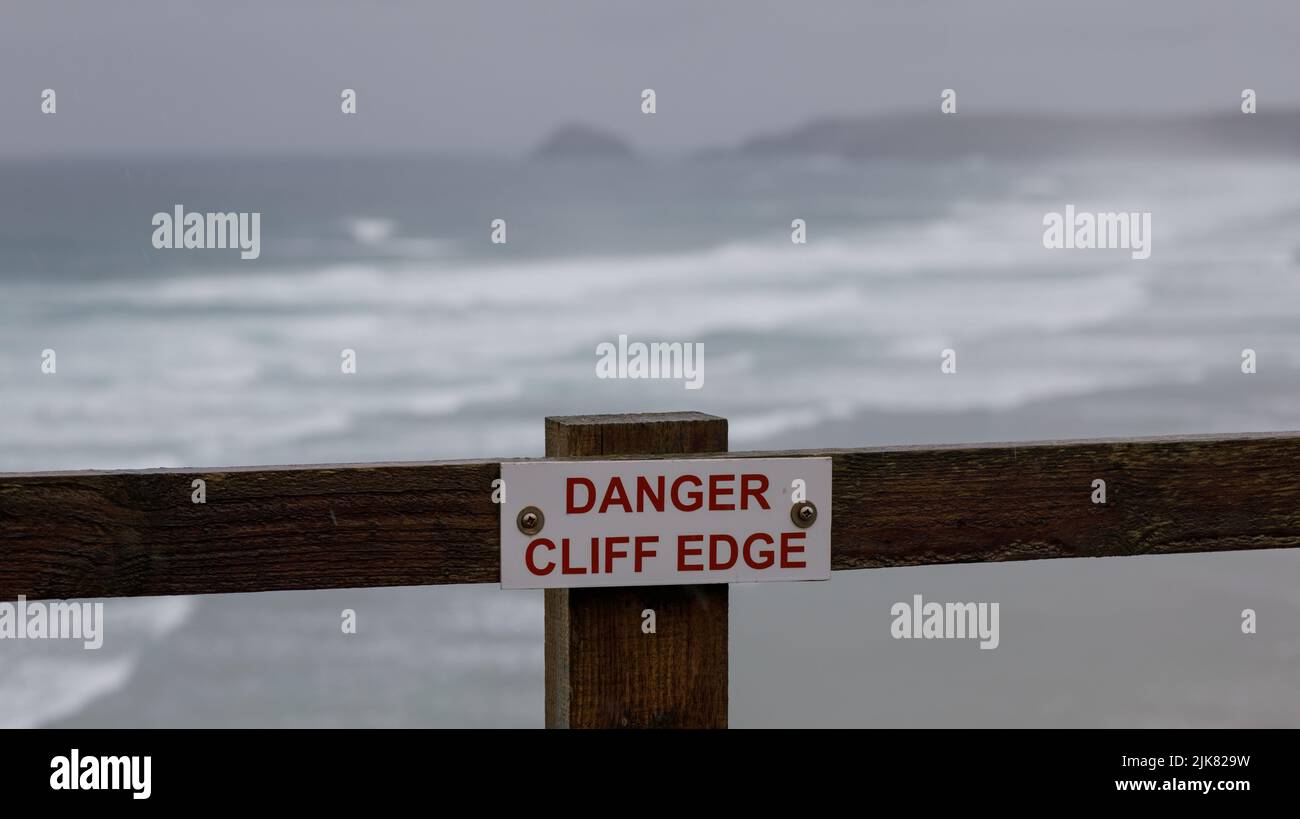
<point>601,670</point>
<point>112,534</point>
<point>913,506</point>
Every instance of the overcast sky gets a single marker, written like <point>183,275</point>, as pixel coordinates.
<point>265,75</point>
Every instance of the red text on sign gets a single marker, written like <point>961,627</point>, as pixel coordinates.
<point>723,492</point>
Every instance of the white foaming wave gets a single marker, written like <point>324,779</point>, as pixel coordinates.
<point>697,307</point>
<point>380,235</point>
<point>539,347</point>
<point>36,688</point>
<point>958,243</point>
<point>37,691</point>
<point>899,289</point>
<point>897,393</point>
<point>370,230</point>
<point>156,616</point>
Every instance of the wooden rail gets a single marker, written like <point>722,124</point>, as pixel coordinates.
<point>115,534</point>
<point>127,533</point>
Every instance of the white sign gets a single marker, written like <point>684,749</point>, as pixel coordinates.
<point>660,522</point>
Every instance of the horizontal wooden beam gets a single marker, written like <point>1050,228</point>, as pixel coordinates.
<point>111,534</point>
<point>914,506</point>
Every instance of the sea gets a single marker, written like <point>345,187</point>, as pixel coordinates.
<point>175,358</point>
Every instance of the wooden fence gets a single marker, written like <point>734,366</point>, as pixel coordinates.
<point>128,533</point>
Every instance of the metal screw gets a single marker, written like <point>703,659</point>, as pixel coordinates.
<point>803,514</point>
<point>530,520</point>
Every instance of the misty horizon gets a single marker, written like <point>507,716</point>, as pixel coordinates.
<point>181,79</point>
<point>529,150</point>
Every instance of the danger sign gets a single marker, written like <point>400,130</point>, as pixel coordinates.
<point>648,523</point>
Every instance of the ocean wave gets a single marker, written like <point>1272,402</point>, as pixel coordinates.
<point>369,230</point>
<point>38,691</point>
<point>44,681</point>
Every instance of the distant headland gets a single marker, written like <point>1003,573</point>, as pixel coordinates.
<point>1022,135</point>
<point>578,141</point>
<point>1011,135</point>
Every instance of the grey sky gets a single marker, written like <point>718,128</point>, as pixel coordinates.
<point>243,75</point>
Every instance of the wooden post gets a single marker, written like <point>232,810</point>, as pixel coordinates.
<point>601,670</point>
